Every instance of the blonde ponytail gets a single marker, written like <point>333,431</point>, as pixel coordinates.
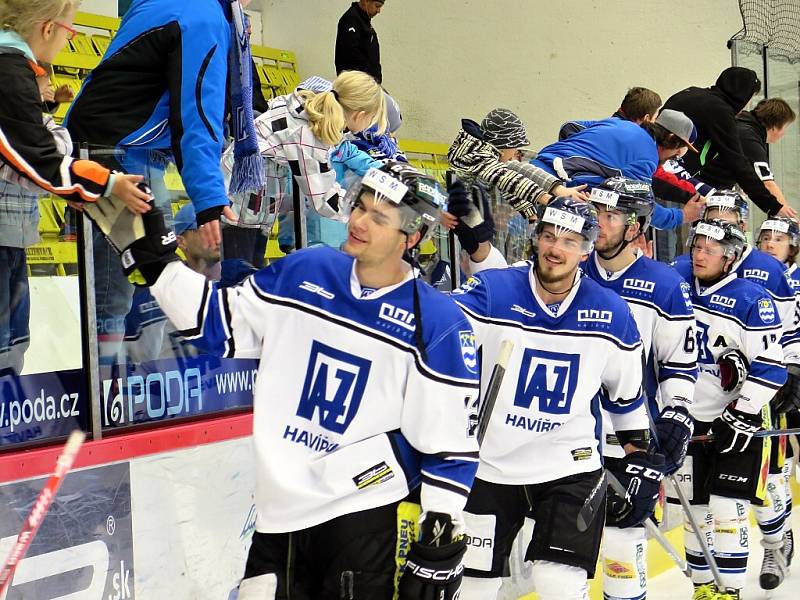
<point>353,91</point>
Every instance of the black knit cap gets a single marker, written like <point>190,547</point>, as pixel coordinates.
<point>503,130</point>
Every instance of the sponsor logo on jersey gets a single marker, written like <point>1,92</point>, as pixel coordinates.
<point>548,377</point>
<point>639,285</point>
<point>581,454</point>
<point>686,293</point>
<point>375,475</point>
<point>316,289</point>
<point>527,313</point>
<point>722,301</point>
<point>469,285</point>
<point>612,440</point>
<point>619,570</point>
<point>759,274</point>
<point>766,310</point>
<point>538,425</point>
<point>468,351</point>
<point>795,283</point>
<point>397,316</point>
<point>594,315</point>
<point>334,386</point>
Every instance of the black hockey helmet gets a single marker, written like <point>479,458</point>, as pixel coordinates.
<point>726,234</point>
<point>630,196</point>
<point>727,200</point>
<point>782,225</point>
<point>566,213</point>
<point>417,196</point>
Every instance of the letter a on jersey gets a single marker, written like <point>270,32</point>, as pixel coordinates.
<point>550,378</point>
<point>333,388</point>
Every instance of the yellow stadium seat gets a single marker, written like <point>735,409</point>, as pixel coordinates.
<point>101,43</point>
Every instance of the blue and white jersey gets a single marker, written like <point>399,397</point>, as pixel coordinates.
<point>347,413</point>
<point>546,423</point>
<point>735,313</point>
<point>662,308</point>
<point>770,273</point>
<point>793,277</point>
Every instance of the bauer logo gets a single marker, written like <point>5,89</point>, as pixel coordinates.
<point>468,351</point>
<point>766,311</point>
<point>549,378</point>
<point>397,316</point>
<point>759,274</point>
<point>334,385</point>
<point>84,548</point>
<point>595,316</point>
<point>639,285</point>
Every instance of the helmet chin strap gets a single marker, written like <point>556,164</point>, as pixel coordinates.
<point>619,247</point>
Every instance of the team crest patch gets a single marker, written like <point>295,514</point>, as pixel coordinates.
<point>466,287</point>
<point>685,289</point>
<point>766,310</point>
<point>468,351</point>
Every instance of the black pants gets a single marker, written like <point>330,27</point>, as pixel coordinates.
<point>352,557</point>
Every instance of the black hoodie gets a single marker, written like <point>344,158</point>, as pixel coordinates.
<point>753,136</point>
<point>713,111</point>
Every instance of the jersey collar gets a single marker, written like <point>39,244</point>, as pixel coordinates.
<point>617,274</point>
<point>711,289</point>
<point>355,285</point>
<point>565,303</point>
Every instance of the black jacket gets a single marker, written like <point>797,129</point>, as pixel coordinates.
<point>753,136</point>
<point>713,111</point>
<point>357,47</point>
<point>28,150</point>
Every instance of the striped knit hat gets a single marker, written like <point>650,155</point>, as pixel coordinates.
<point>503,130</point>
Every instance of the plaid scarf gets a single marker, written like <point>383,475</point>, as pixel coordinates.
<point>248,173</point>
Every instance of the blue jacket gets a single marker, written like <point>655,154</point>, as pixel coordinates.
<point>598,150</point>
<point>161,85</point>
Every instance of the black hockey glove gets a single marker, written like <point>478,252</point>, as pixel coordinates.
<point>788,397</point>
<point>640,473</point>
<point>473,227</point>
<point>734,429</point>
<point>433,566</point>
<point>145,259</point>
<point>674,428</point>
<point>733,369</point>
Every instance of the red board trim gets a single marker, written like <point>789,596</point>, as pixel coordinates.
<point>41,461</point>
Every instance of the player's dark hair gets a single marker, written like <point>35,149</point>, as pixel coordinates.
<point>663,136</point>
<point>638,103</point>
<point>774,112</point>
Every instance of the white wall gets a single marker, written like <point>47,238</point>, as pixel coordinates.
<point>549,60</point>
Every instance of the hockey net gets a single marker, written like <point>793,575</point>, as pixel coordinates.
<point>772,23</point>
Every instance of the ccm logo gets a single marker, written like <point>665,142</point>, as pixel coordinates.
<point>733,478</point>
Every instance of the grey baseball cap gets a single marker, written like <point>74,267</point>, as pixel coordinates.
<point>679,124</point>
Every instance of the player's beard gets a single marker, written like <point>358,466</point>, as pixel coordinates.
<point>608,245</point>
<point>554,276</point>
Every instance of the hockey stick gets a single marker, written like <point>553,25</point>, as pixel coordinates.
<point>40,508</point>
<point>758,434</point>
<point>652,528</point>
<point>593,503</point>
<point>496,379</point>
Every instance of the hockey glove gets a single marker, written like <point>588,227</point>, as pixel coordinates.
<point>734,429</point>
<point>473,227</point>
<point>145,259</point>
<point>733,369</point>
<point>433,566</point>
<point>640,473</point>
<point>119,225</point>
<point>788,397</point>
<point>674,428</point>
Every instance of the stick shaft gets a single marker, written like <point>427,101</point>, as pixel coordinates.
<point>35,518</point>
<point>495,381</point>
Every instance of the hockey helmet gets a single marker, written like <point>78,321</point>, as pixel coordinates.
<point>783,225</point>
<point>418,197</point>
<point>568,214</point>
<point>630,196</point>
<point>727,200</point>
<point>724,233</point>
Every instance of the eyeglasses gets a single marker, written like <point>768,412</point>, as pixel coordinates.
<point>71,33</point>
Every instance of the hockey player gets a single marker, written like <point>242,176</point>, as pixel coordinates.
<point>659,300</point>
<point>541,454</point>
<point>740,360</point>
<point>779,237</point>
<point>363,390</point>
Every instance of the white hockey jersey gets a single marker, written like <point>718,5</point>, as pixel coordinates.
<point>347,413</point>
<point>662,308</point>
<point>735,313</point>
<point>546,422</point>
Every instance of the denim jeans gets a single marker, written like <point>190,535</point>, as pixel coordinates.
<point>15,308</point>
